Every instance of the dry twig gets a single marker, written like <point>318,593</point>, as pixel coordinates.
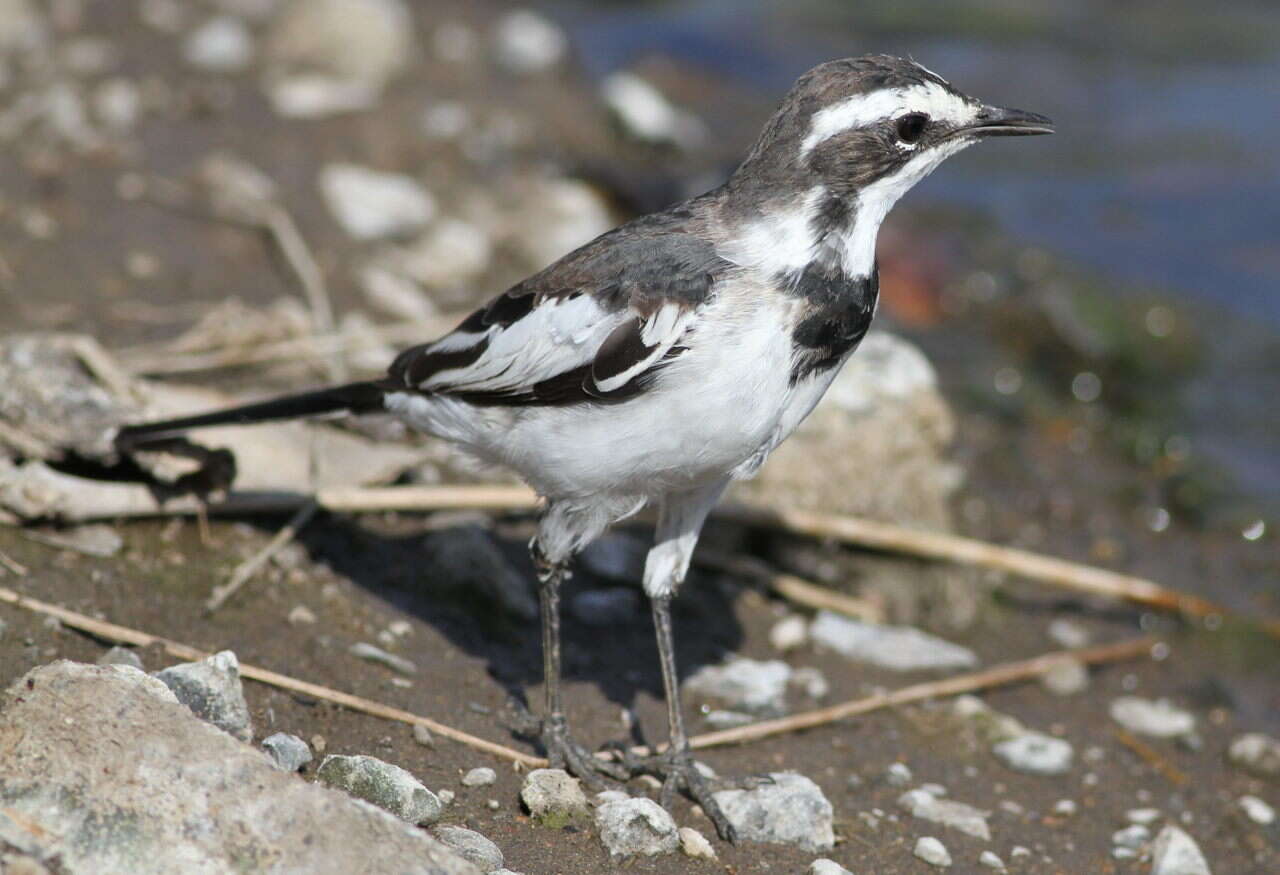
<point>13,564</point>
<point>1152,757</point>
<point>996,676</point>
<point>246,569</point>
<point>124,635</point>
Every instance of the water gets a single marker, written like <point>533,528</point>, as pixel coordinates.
<point>1164,174</point>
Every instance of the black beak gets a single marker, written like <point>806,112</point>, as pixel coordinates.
<point>995,121</point>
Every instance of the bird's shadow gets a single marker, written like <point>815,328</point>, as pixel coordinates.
<point>620,658</point>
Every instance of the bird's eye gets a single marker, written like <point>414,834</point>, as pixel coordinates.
<point>911,126</point>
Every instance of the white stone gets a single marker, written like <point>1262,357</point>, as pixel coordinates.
<point>1144,816</point>
<point>743,684</point>
<point>117,103</point>
<point>645,113</point>
<point>1176,853</point>
<point>932,852</point>
<point>991,861</point>
<point>1034,753</point>
<point>1257,753</point>
<point>694,844</point>
<point>791,810</point>
<point>1257,810</point>
<point>1069,634</point>
<point>359,41</point>
<point>527,42</point>
<point>371,204</point>
<point>1132,837</point>
<point>288,753</point>
<point>395,294</point>
<point>898,648</point>
<point>471,846</point>
<point>636,827</point>
<point>479,777</point>
<point>449,254</point>
<point>314,95</point>
<point>957,815</point>
<point>823,866</point>
<point>790,632</point>
<point>1159,719</point>
<point>222,45</point>
<point>1066,678</point>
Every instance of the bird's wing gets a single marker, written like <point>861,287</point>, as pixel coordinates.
<point>595,326</point>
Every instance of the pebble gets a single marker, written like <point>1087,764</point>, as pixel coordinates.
<point>694,844</point>
<point>371,653</point>
<point>422,735</point>
<point>117,103</point>
<point>1069,634</point>
<point>1065,807</point>
<point>1034,753</point>
<point>743,684</point>
<point>897,775</point>
<point>1176,853</point>
<point>1257,810</point>
<point>1132,837</point>
<point>957,815</point>
<point>211,688</point>
<point>446,797</point>
<point>288,753</point>
<point>1019,852</point>
<point>790,810</point>
<point>121,656</point>
<point>1066,678</point>
<point>645,113</point>
<point>636,827</point>
<point>479,777</point>
<point>823,866</point>
<point>811,681</point>
<point>301,615</point>
<point>358,43</point>
<point>385,785</point>
<point>555,216</point>
<point>991,860</point>
<point>1158,719</point>
<point>1257,753</point>
<point>605,607</point>
<point>989,723</point>
<point>1144,816</point>
<point>932,852</point>
<point>222,45</point>
<point>395,295</point>
<point>369,204</point>
<point>471,846</point>
<point>526,42</point>
<point>790,632</point>
<point>312,96</point>
<point>554,798</point>
<point>897,648</point>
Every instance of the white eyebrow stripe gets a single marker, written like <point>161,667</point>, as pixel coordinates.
<point>864,109</point>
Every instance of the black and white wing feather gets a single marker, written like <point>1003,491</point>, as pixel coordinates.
<point>596,326</point>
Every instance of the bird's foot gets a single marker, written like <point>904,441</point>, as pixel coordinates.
<point>565,753</point>
<point>679,771</point>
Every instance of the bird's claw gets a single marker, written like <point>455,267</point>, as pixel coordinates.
<point>679,771</point>
<point>565,753</point>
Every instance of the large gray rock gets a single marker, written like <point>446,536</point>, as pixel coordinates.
<point>789,811</point>
<point>636,827</point>
<point>382,784</point>
<point>105,773</point>
<point>211,688</point>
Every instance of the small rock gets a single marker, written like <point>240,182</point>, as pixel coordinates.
<point>1257,810</point>
<point>449,254</point>
<point>446,797</point>
<point>1257,753</point>
<point>1144,816</point>
<point>743,684</point>
<point>288,753</point>
<point>790,632</point>
<point>1065,807</point>
<point>1176,853</point>
<point>117,102</point>
<point>695,844</point>
<point>395,295</point>
<point>636,827</point>
<point>387,786</point>
<point>310,96</point>
<point>471,846</point>
<point>897,648</point>
<point>1069,634</point>
<point>1066,678</point>
<point>897,775</point>
<point>212,690</point>
<point>422,735</point>
<point>1020,852</point>
<point>221,45</point>
<point>121,656</point>
<point>1132,837</point>
<point>957,815</point>
<point>555,216</point>
<point>365,43</point>
<point>991,860</point>
<point>790,810</point>
<point>482,776</point>
<point>823,866</point>
<point>605,607</point>
<point>932,852</point>
<point>554,798</point>
<point>371,653</point>
<point>301,615</point>
<point>645,113</point>
<point>526,42</point>
<point>811,681</point>
<point>370,204</point>
<point>1159,719</point>
<point>1034,753</point>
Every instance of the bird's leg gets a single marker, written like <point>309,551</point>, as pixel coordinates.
<point>562,751</point>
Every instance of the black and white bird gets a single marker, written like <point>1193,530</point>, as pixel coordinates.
<point>668,357</point>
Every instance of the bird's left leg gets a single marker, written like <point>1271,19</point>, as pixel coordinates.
<point>679,523</point>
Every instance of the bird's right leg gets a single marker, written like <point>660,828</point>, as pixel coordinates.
<point>562,751</point>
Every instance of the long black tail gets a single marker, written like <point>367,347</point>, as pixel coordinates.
<point>354,397</point>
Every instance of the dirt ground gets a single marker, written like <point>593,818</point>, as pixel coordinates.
<point>360,574</point>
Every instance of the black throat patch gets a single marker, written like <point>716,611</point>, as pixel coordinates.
<point>837,313</point>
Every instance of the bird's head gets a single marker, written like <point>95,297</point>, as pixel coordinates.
<point>872,127</point>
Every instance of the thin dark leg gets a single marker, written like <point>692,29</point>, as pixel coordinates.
<point>562,751</point>
<point>680,768</point>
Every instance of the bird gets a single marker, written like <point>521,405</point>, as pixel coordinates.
<point>669,356</point>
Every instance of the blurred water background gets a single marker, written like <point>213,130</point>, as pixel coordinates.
<point>1163,181</point>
